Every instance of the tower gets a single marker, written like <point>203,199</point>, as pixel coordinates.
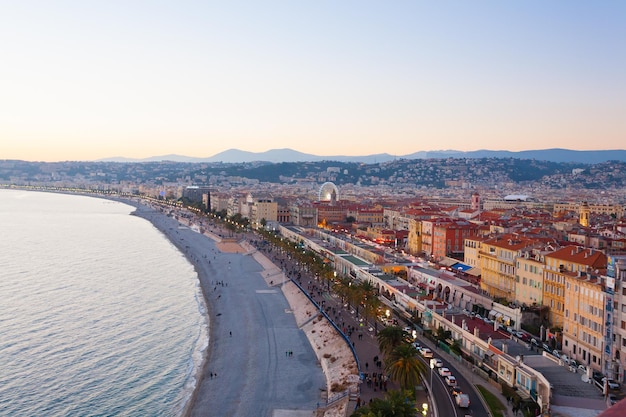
<point>584,212</point>
<point>475,206</point>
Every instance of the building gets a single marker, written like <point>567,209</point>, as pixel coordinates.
<point>583,319</point>
<point>529,278</point>
<point>558,266</point>
<point>498,260</point>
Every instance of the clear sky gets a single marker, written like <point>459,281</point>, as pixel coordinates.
<point>83,80</point>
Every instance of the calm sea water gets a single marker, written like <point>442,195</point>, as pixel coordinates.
<point>99,314</point>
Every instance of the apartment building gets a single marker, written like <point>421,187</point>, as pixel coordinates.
<point>414,241</point>
<point>558,266</point>
<point>529,278</point>
<point>498,258</point>
<point>471,254</point>
<point>583,318</point>
<point>263,209</point>
<point>616,314</point>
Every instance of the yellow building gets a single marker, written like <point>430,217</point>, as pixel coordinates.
<point>529,278</point>
<point>471,253</point>
<point>414,240</point>
<point>498,264</point>
<point>264,209</point>
<point>559,265</point>
<point>583,319</point>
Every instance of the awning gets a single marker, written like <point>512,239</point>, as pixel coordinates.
<point>506,319</point>
<point>498,315</point>
<point>448,262</point>
<point>461,267</point>
<point>492,313</point>
<point>475,272</point>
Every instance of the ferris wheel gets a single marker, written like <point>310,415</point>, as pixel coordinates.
<point>328,192</point>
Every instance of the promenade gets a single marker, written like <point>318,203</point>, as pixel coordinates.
<point>249,365</point>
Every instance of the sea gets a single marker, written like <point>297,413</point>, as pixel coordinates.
<point>100,315</point>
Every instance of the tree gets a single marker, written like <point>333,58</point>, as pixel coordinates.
<point>391,337</point>
<point>404,366</point>
<point>395,404</point>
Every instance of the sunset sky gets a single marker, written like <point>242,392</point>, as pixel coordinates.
<point>84,80</point>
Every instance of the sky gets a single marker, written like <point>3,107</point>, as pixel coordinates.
<point>85,80</point>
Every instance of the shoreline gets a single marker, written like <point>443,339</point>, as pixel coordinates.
<point>149,213</point>
<point>298,304</point>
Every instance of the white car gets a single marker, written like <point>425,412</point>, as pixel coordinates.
<point>444,372</point>
<point>436,363</point>
<point>451,380</point>
<point>426,352</point>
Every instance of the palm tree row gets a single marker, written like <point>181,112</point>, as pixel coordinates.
<point>401,361</point>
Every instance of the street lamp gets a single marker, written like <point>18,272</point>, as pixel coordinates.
<point>432,369</point>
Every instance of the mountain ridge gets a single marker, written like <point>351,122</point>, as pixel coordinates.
<point>290,155</point>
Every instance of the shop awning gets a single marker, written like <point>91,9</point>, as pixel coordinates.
<point>461,267</point>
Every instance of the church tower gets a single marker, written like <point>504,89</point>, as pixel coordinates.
<point>584,214</point>
<point>475,205</point>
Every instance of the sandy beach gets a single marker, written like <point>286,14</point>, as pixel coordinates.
<point>270,352</point>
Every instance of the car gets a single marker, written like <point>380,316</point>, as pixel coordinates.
<point>451,380</point>
<point>487,320</point>
<point>444,372</point>
<point>436,363</point>
<point>582,368</point>
<point>426,352</point>
<point>455,390</point>
<point>556,353</point>
<point>613,399</point>
<point>546,348</point>
<point>462,400</point>
<point>611,383</point>
<point>565,359</point>
<point>534,342</point>
<point>417,345</point>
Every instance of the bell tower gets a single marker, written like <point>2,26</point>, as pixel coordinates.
<point>584,212</point>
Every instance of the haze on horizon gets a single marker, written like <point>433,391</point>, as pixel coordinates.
<point>91,80</point>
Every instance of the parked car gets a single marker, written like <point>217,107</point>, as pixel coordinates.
<point>613,399</point>
<point>546,348</point>
<point>444,372</point>
<point>612,384</point>
<point>556,353</point>
<point>565,359</point>
<point>582,368</point>
<point>451,380</point>
<point>455,390</point>
<point>417,345</point>
<point>534,342</point>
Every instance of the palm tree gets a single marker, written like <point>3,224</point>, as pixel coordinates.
<point>404,366</point>
<point>391,337</point>
<point>395,404</point>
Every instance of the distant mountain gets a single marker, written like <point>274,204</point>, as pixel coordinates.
<point>290,155</point>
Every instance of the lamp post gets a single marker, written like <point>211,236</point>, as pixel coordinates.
<point>432,369</point>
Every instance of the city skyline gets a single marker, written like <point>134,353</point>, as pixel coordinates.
<point>118,79</point>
